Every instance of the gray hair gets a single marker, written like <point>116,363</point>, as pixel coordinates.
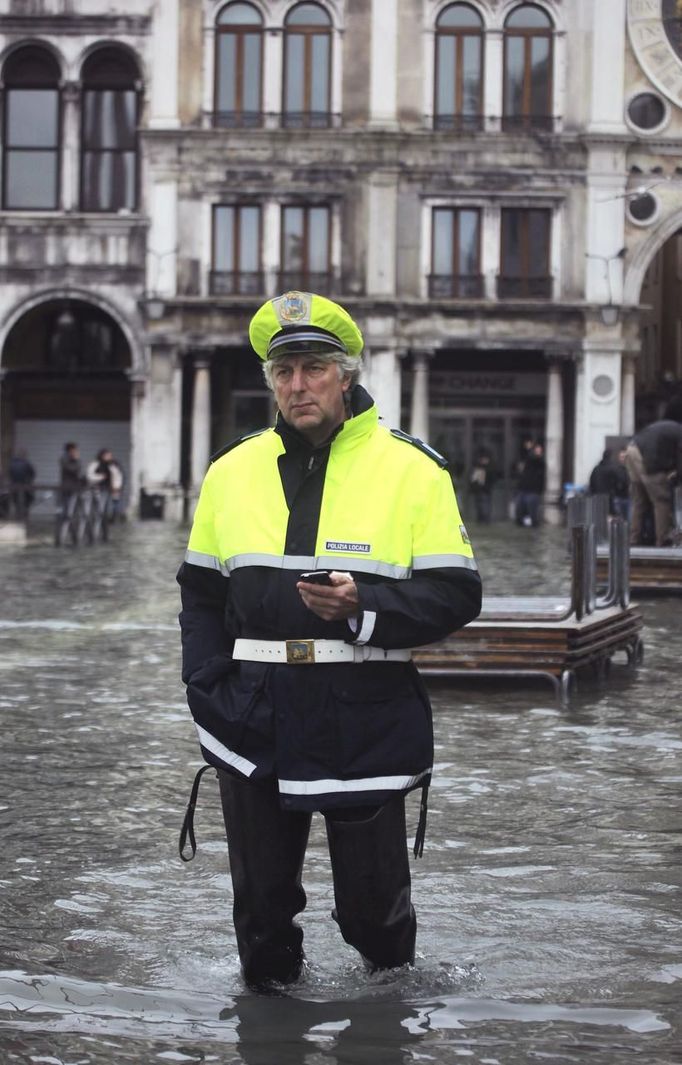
<point>349,365</point>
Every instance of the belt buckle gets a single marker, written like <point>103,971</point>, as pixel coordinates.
<point>300,652</point>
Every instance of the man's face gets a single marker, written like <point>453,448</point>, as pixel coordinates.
<point>310,395</point>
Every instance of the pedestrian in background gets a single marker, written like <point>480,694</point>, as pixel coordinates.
<point>21,478</point>
<point>71,478</point>
<point>98,472</point>
<point>531,486</point>
<point>303,693</point>
<point>481,480</point>
<point>654,463</point>
<point>116,482</point>
<point>610,478</point>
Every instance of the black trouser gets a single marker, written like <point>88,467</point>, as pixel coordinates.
<point>370,869</point>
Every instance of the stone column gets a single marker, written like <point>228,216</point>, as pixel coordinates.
<point>492,86</point>
<point>383,86</point>
<point>383,373</point>
<point>605,28</point>
<point>273,62</point>
<point>627,397</point>
<point>163,64</point>
<point>70,146</point>
<point>381,218</point>
<point>138,392</point>
<point>201,421</point>
<point>554,443</point>
<point>419,412</point>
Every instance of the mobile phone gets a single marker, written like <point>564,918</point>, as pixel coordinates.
<point>316,576</point>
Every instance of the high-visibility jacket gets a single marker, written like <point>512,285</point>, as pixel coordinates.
<point>370,502</point>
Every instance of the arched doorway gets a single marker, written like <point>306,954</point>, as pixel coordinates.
<point>653,283</point>
<point>659,366</point>
<point>65,377</point>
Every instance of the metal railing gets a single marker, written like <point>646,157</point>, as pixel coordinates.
<point>528,123</point>
<point>325,283</point>
<point>310,120</point>
<point>519,288</point>
<point>238,119</point>
<point>586,509</point>
<point>455,286</point>
<point>587,517</point>
<point>236,283</point>
<point>458,123</point>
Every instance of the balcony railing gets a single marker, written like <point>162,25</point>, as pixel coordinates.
<point>325,284</point>
<point>524,288</point>
<point>309,120</point>
<point>458,123</point>
<point>528,123</point>
<point>238,119</point>
<point>455,286</point>
<point>236,283</point>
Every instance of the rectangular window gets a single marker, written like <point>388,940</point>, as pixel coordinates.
<point>31,149</point>
<point>524,260</point>
<point>109,159</point>
<point>237,250</point>
<point>307,80</point>
<point>456,253</point>
<point>527,81</point>
<point>238,78</point>
<point>305,249</point>
<point>459,81</point>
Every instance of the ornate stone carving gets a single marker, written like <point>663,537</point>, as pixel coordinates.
<point>655,30</point>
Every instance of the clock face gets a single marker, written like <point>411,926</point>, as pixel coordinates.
<point>672,21</point>
<point>655,29</point>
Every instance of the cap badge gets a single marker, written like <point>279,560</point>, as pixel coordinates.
<point>293,307</point>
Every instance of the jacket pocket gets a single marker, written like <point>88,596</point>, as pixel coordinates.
<point>223,701</point>
<point>383,723</point>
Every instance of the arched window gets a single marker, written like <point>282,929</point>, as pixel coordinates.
<point>31,130</point>
<point>307,67</point>
<point>458,97</point>
<point>527,69</point>
<point>109,148</point>
<point>238,66</point>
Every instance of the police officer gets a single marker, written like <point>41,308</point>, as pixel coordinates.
<point>303,693</point>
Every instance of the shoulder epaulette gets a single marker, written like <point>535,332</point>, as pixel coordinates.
<point>235,443</point>
<point>426,448</point>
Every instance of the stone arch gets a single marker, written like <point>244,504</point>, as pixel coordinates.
<point>644,255</point>
<point>68,362</point>
<point>49,295</point>
<point>550,8</point>
<point>34,42</point>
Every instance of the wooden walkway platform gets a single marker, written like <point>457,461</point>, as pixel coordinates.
<point>652,569</point>
<point>548,637</point>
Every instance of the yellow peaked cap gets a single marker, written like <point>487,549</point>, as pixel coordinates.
<point>292,312</point>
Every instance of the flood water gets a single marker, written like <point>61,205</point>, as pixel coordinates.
<point>548,895</point>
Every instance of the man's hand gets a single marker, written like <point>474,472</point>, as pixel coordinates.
<point>335,602</point>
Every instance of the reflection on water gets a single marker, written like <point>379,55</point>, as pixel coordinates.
<point>548,895</point>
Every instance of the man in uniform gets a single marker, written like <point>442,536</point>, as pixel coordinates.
<point>303,694</point>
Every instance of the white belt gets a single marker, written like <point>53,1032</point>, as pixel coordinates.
<point>304,652</point>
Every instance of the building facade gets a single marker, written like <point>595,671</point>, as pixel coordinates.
<point>492,189</point>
